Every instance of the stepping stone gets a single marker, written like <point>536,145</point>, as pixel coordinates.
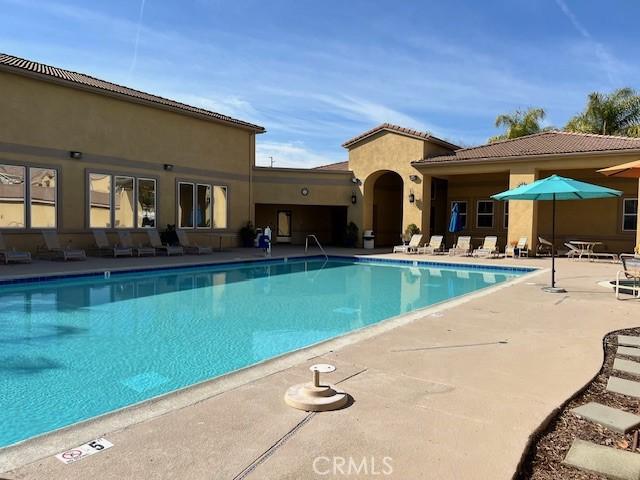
<point>628,366</point>
<point>628,341</point>
<point>610,462</point>
<point>612,418</point>
<point>623,386</point>
<point>629,351</point>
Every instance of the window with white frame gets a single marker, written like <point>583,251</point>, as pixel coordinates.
<point>505,221</point>
<point>121,201</point>
<point>485,214</point>
<point>28,197</point>
<point>462,213</point>
<point>201,205</point>
<point>629,214</point>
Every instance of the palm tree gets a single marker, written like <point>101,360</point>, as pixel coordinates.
<point>520,123</point>
<point>615,113</point>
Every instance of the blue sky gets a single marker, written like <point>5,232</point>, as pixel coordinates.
<point>317,73</point>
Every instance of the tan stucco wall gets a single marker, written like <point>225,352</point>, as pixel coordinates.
<point>41,122</point>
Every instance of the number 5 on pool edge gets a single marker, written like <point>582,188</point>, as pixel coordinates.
<point>96,445</point>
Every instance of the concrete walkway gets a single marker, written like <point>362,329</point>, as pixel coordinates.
<point>453,394</point>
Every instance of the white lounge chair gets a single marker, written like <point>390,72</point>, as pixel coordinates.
<point>154,240</point>
<point>489,248</point>
<point>411,247</point>
<point>520,247</point>
<point>191,248</point>
<point>12,255</point>
<point>127,242</point>
<point>434,247</point>
<point>104,247</point>
<point>462,247</point>
<point>575,252</point>
<point>631,272</point>
<point>54,249</point>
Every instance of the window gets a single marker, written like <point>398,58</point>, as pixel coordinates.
<point>484,215</point>
<point>121,201</point>
<point>462,213</point>
<point>31,203</point>
<point>505,222</point>
<point>630,214</point>
<point>201,205</point>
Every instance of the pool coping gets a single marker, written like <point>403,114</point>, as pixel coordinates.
<point>50,443</point>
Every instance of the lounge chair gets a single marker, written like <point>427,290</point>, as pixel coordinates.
<point>435,246</point>
<point>544,246</point>
<point>631,272</point>
<point>154,240</point>
<point>575,252</point>
<point>411,247</point>
<point>12,255</point>
<point>105,248</point>
<point>462,247</point>
<point>54,250</point>
<point>125,240</point>
<point>489,248</point>
<point>188,247</point>
<point>520,247</point>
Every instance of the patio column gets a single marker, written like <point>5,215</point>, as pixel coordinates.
<point>523,214</point>
<point>418,212</point>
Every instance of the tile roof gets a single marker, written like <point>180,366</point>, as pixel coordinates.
<point>545,143</point>
<point>397,129</point>
<point>79,80</point>
<point>334,166</point>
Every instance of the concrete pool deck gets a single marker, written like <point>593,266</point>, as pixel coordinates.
<point>453,392</point>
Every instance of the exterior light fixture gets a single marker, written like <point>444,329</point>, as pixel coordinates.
<point>355,181</point>
<point>168,167</point>
<point>75,155</point>
<point>413,178</point>
<point>412,198</point>
<point>304,191</point>
<point>354,199</point>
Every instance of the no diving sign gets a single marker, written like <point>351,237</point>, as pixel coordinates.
<point>83,451</point>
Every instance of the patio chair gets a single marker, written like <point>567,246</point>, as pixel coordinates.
<point>435,246</point>
<point>191,248</point>
<point>154,240</point>
<point>575,252</point>
<point>411,247</point>
<point>520,248</point>
<point>55,251</point>
<point>127,242</point>
<point>544,246</point>
<point>489,248</point>
<point>462,247</point>
<point>12,255</point>
<point>631,272</point>
<point>105,248</point>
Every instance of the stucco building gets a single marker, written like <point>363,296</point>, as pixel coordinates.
<point>78,153</point>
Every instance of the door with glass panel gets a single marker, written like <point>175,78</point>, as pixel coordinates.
<point>283,233</point>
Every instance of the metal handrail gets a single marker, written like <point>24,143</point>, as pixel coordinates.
<point>306,245</point>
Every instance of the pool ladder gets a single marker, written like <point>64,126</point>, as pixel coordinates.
<point>306,245</point>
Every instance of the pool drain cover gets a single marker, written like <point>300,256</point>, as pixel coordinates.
<point>315,397</point>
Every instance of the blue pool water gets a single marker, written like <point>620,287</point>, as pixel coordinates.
<point>71,349</point>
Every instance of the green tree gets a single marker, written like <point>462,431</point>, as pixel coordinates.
<point>615,113</point>
<point>520,123</point>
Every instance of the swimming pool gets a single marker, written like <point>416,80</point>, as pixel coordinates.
<point>75,348</point>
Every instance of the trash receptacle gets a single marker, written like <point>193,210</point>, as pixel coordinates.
<point>368,239</point>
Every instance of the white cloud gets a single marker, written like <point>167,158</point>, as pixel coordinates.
<point>291,154</point>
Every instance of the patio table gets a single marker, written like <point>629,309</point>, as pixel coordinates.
<point>586,247</point>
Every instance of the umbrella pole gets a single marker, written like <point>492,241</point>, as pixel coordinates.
<point>553,288</point>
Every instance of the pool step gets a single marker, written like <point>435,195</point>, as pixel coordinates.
<point>628,366</point>
<point>629,351</point>
<point>624,387</point>
<point>607,461</point>
<point>612,418</point>
<point>628,341</point>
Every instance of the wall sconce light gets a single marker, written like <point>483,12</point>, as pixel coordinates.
<point>168,167</point>
<point>75,155</point>
<point>412,198</point>
<point>413,178</point>
<point>354,199</point>
<point>356,181</point>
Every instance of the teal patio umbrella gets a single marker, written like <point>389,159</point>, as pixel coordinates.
<point>555,188</point>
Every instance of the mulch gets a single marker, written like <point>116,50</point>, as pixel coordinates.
<point>543,460</point>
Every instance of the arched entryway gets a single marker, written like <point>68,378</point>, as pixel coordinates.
<point>386,207</point>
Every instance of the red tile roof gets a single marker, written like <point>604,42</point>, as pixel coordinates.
<point>401,130</point>
<point>13,64</point>
<point>545,143</point>
<point>334,166</point>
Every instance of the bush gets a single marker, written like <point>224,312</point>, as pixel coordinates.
<point>351,235</point>
<point>247,235</point>
<point>412,229</point>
